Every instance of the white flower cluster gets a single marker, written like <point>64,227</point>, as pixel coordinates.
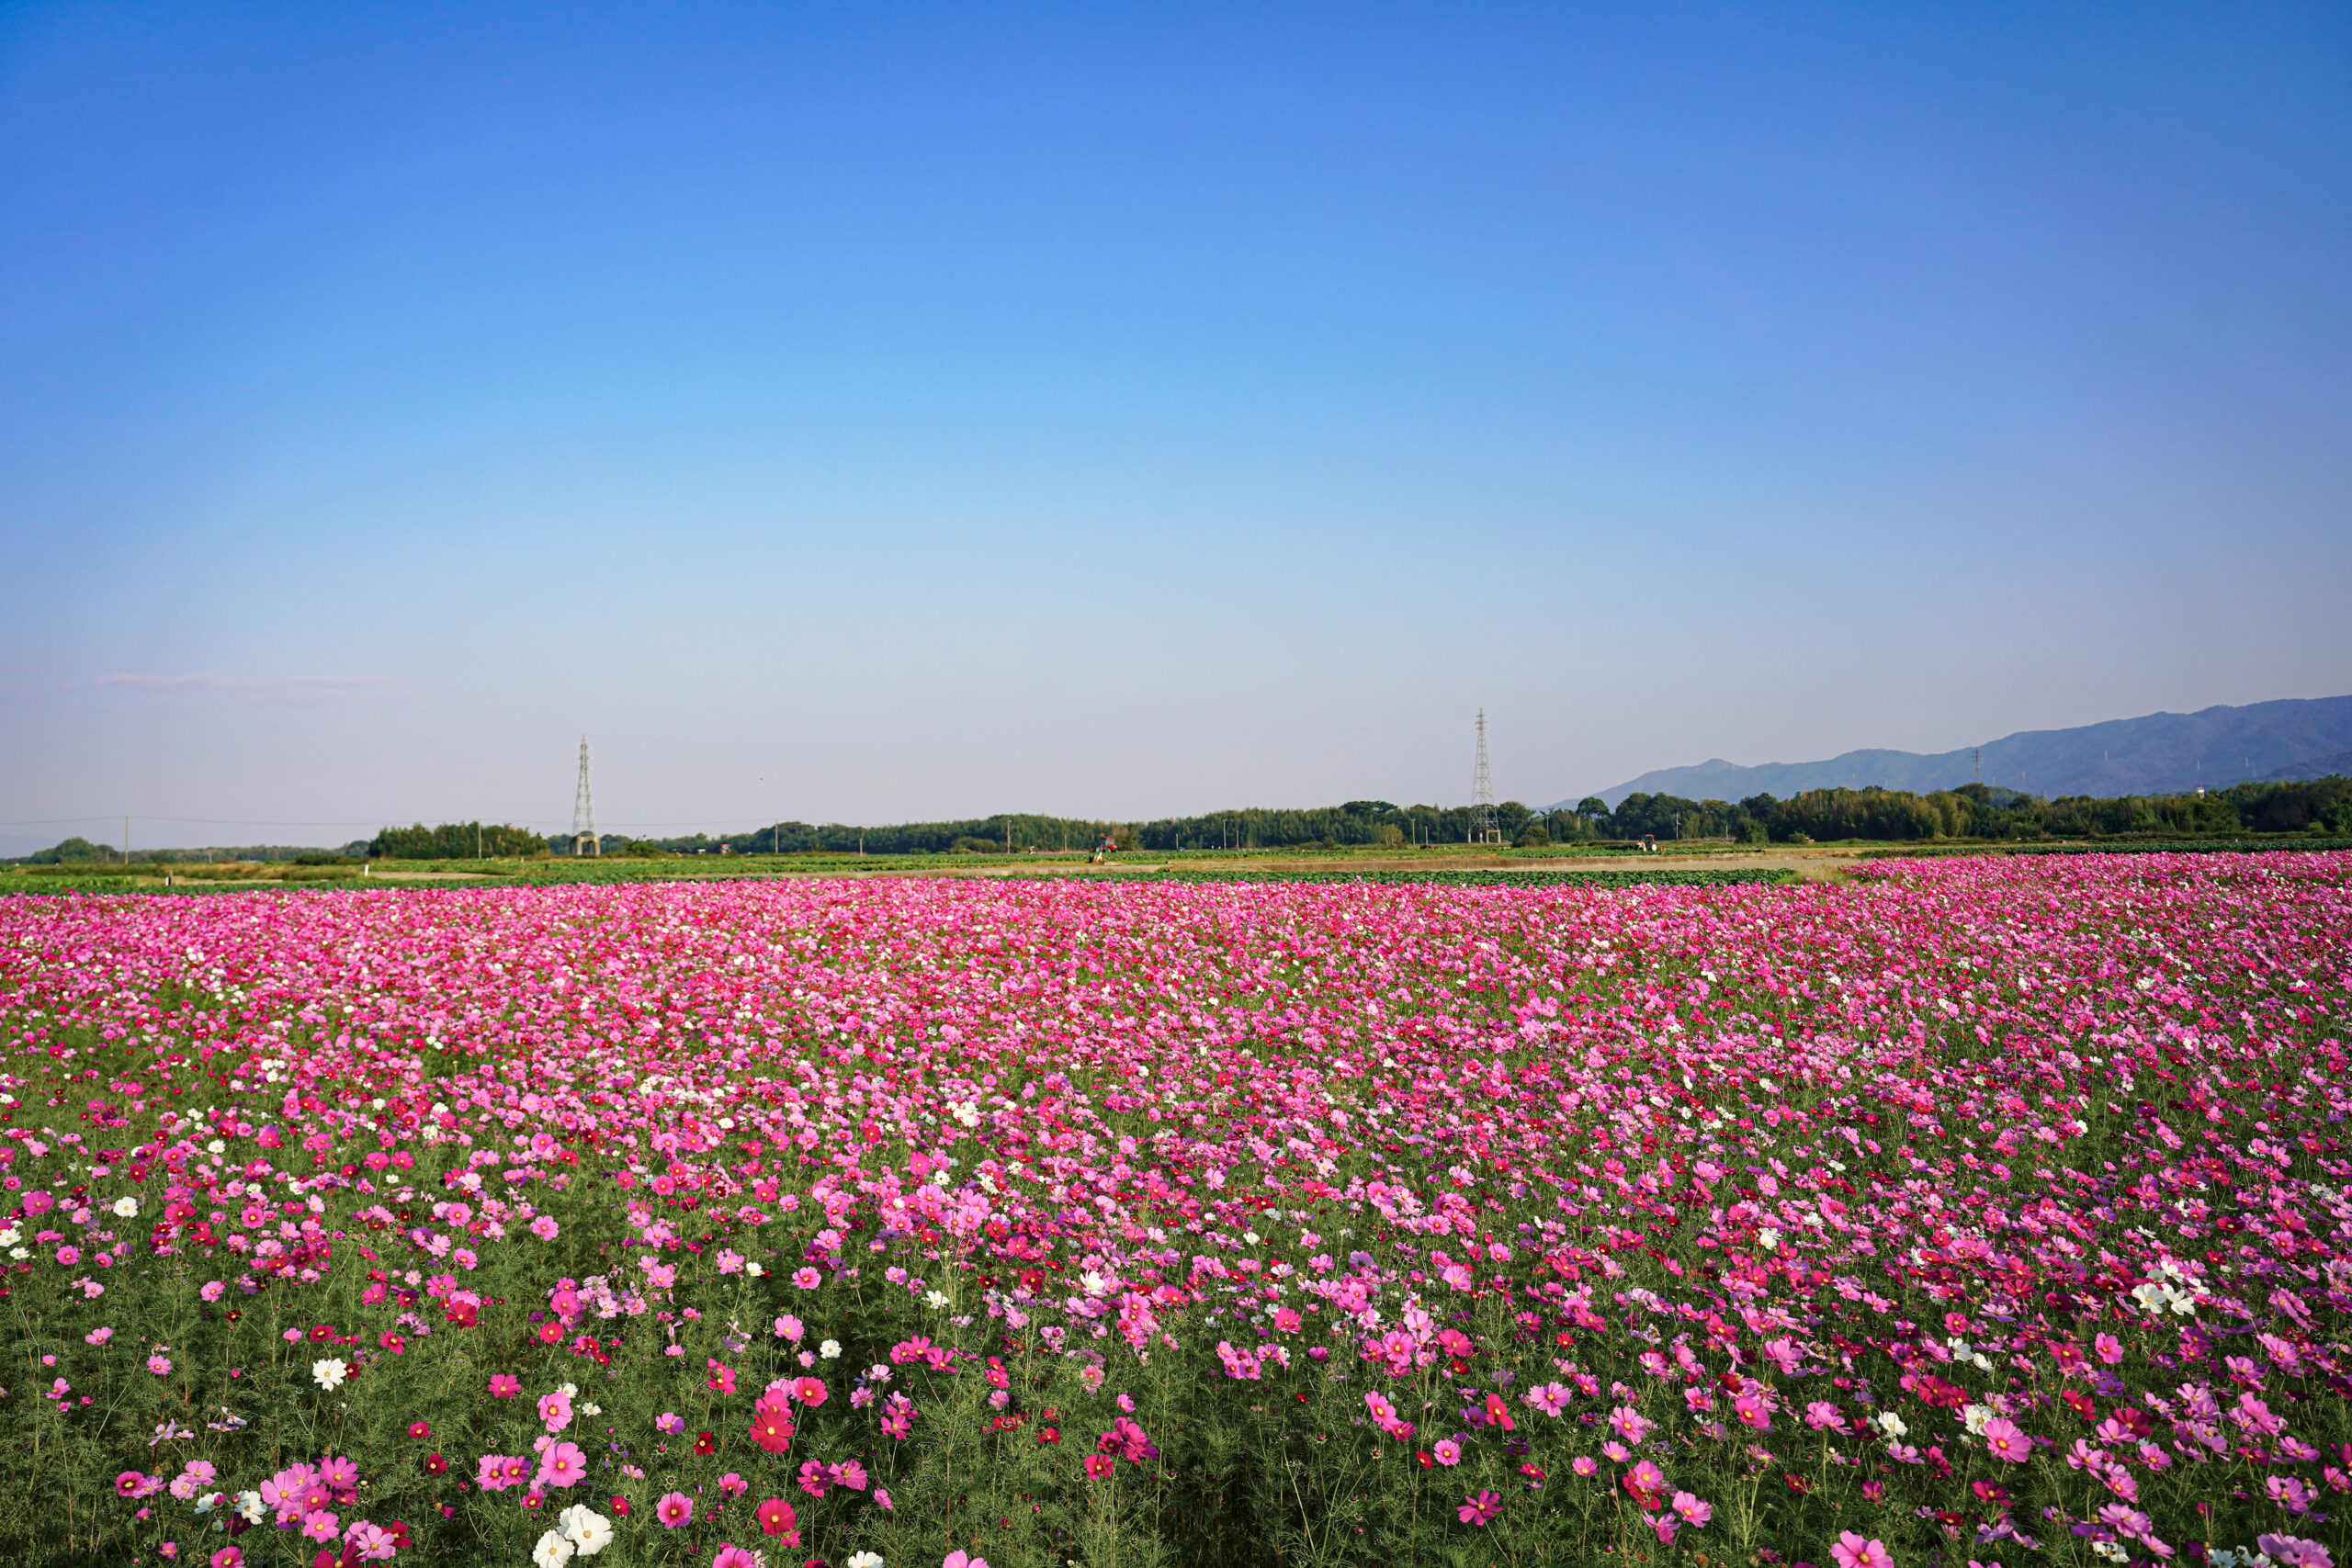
<point>579,1532</point>
<point>2155,1297</point>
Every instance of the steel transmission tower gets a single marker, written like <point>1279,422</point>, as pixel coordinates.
<point>583,811</point>
<point>1482,794</point>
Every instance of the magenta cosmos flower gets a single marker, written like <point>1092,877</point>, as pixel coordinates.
<point>1481,1509</point>
<point>1853,1551</point>
<point>2007,1440</point>
<point>674,1509</point>
<point>563,1465</point>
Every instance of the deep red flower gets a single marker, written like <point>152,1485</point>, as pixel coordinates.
<point>705,1443</point>
<point>772,1425</point>
<point>435,1464</point>
<point>419,1431</point>
<point>1049,1434</point>
<point>776,1517</point>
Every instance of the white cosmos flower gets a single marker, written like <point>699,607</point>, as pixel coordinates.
<point>552,1550</point>
<point>330,1372</point>
<point>126,1207</point>
<point>589,1531</point>
<point>934,1299</point>
<point>829,1349</point>
<point>865,1560</point>
<point>1892,1424</point>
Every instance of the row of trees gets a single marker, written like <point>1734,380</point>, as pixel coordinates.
<point>1971,811</point>
<point>458,840</point>
<point>1976,811</point>
<point>79,851</point>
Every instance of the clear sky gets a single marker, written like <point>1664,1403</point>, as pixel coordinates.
<point>887,411</point>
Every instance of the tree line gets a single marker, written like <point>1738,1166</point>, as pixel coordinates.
<point>1977,811</point>
<point>1973,811</point>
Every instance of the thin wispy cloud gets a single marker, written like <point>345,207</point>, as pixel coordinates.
<point>299,689</point>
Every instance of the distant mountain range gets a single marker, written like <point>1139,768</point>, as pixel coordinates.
<point>2163,753</point>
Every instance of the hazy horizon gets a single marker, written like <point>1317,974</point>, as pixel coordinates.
<point>911,415</point>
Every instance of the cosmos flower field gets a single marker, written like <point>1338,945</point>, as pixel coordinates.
<point>1979,1211</point>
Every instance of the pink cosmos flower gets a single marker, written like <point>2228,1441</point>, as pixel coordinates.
<point>674,1509</point>
<point>814,1477</point>
<point>2109,1349</point>
<point>1695,1512</point>
<point>1851,1551</point>
<point>370,1543</point>
<point>2289,1551</point>
<point>321,1525</point>
<point>1551,1398</point>
<point>134,1483</point>
<point>562,1464</point>
<point>555,1409</point>
<point>2007,1440</point>
<point>956,1558</point>
<point>545,1227</point>
<point>1823,1416</point>
<point>496,1473</point>
<point>670,1422</point>
<point>1099,1465</point>
<point>2288,1494</point>
<point>810,1391</point>
<point>159,1365</point>
<point>807,1279</point>
<point>1481,1509</point>
<point>1629,1423</point>
<point>734,1557</point>
<point>504,1385</point>
<point>1584,1464</point>
<point>1445,1451</point>
<point>1751,1409</point>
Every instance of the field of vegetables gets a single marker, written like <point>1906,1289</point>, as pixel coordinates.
<point>1974,1211</point>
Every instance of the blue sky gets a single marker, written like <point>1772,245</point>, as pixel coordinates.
<point>901,412</point>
